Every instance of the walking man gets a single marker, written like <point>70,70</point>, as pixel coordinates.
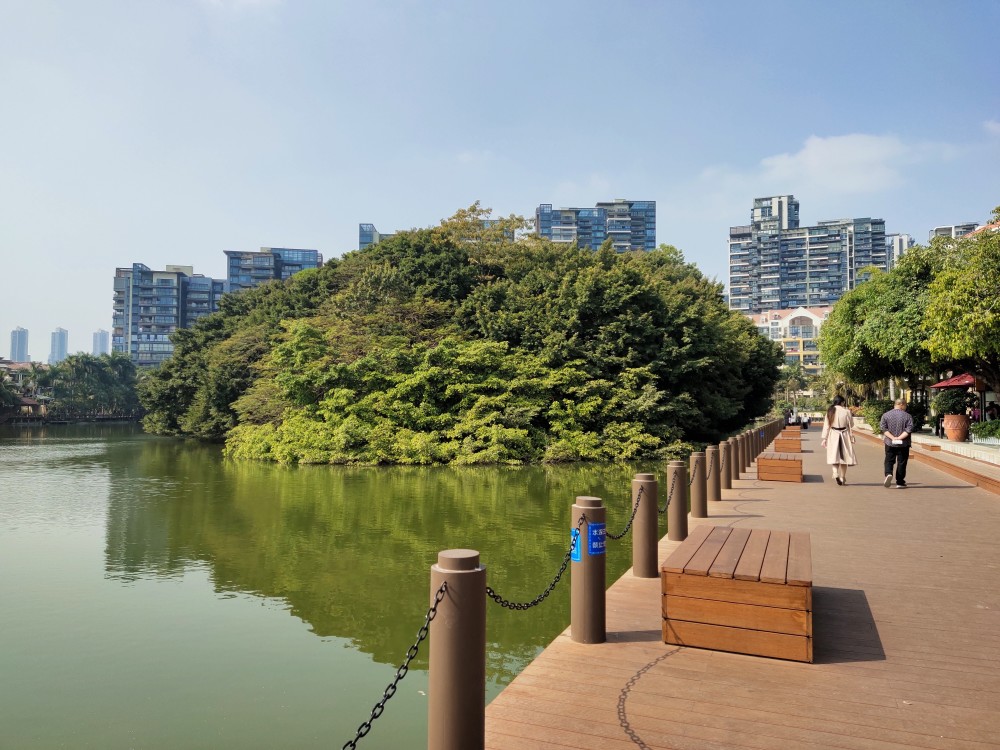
<point>897,426</point>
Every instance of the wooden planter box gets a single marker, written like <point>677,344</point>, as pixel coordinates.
<point>741,590</point>
<point>779,467</point>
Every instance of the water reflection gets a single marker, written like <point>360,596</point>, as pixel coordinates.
<point>349,549</point>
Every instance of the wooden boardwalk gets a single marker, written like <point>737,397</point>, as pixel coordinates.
<point>907,634</point>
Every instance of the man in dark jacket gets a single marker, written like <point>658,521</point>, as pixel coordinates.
<point>896,426</point>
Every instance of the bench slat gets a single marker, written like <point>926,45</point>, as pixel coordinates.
<point>709,550</point>
<point>748,568</point>
<point>680,556</point>
<point>725,563</point>
<point>799,559</point>
<point>775,567</point>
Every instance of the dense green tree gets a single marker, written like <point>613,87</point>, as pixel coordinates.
<point>463,344</point>
<point>86,384</point>
<point>963,312</point>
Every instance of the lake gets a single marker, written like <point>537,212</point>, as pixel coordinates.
<point>156,595</point>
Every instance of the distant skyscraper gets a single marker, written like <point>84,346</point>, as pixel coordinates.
<point>369,235</point>
<point>150,305</point>
<point>19,345</point>
<point>630,225</point>
<point>775,265</point>
<point>953,230</point>
<point>102,343</point>
<point>60,343</point>
<point>248,269</point>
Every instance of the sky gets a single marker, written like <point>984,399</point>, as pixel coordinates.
<point>166,131</point>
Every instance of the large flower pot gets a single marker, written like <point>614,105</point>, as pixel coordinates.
<point>956,427</point>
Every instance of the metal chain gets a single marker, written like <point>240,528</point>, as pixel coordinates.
<point>697,463</point>
<point>670,494</point>
<point>541,597</point>
<point>711,465</point>
<point>635,508</point>
<point>411,652</point>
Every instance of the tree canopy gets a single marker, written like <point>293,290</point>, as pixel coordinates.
<point>460,344</point>
<point>935,310</point>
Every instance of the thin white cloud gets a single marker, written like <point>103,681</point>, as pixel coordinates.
<point>992,127</point>
<point>475,156</point>
<point>239,5</point>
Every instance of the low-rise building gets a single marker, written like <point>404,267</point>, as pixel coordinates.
<point>797,330</point>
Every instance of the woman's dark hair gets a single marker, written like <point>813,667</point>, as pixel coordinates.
<point>832,411</point>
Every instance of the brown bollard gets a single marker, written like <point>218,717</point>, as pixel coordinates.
<point>747,450</point>
<point>645,527</point>
<point>699,494</point>
<point>734,461</point>
<point>713,491</point>
<point>725,476</point>
<point>677,506</point>
<point>741,453</point>
<point>456,703</point>
<point>587,573</point>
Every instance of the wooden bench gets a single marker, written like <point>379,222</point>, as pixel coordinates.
<point>741,590</point>
<point>779,467</point>
<point>788,445</point>
<point>792,428</point>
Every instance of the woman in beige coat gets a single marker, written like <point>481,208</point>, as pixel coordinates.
<point>838,439</point>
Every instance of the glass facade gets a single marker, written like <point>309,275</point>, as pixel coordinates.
<point>150,305</point>
<point>369,235</point>
<point>247,269</point>
<point>776,264</point>
<point>19,345</point>
<point>60,343</point>
<point>630,225</point>
<point>102,343</point>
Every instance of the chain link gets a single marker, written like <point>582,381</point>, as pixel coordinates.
<point>635,508</point>
<point>670,494</point>
<point>694,469</point>
<point>541,597</point>
<point>711,465</point>
<point>411,653</point>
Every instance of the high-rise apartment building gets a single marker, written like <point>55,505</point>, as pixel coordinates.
<point>102,343</point>
<point>774,264</point>
<point>150,305</point>
<point>369,235</point>
<point>60,343</point>
<point>630,225</point>
<point>248,269</point>
<point>953,230</point>
<point>19,345</point>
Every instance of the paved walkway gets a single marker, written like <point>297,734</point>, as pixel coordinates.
<point>907,634</point>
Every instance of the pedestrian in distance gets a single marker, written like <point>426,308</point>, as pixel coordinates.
<point>838,439</point>
<point>897,427</point>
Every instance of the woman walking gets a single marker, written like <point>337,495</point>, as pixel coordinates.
<point>838,438</point>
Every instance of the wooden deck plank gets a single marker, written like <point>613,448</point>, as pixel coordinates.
<point>725,563</point>
<point>702,560</point>
<point>683,554</point>
<point>799,570</point>
<point>753,556</point>
<point>775,565</point>
<point>906,633</point>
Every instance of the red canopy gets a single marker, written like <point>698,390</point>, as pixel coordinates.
<point>957,381</point>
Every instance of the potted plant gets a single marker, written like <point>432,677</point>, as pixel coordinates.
<point>987,433</point>
<point>952,403</point>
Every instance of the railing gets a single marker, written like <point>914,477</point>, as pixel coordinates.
<point>459,589</point>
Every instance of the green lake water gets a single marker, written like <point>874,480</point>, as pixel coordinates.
<point>155,595</point>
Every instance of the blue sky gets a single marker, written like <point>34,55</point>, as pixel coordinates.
<point>165,132</point>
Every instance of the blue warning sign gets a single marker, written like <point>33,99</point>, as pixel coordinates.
<point>596,538</point>
<point>575,542</point>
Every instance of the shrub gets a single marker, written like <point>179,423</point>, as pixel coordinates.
<point>873,409</point>
<point>953,401</point>
<point>986,429</point>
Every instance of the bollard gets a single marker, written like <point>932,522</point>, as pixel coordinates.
<point>677,506</point>
<point>741,454</point>
<point>587,573</point>
<point>713,490</point>
<point>645,528</point>
<point>699,494</point>
<point>734,462</point>
<point>746,451</point>
<point>725,474</point>
<point>456,704</point>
